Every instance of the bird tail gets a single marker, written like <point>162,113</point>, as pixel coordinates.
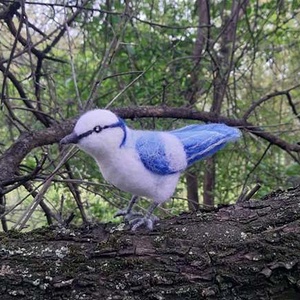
<point>202,141</point>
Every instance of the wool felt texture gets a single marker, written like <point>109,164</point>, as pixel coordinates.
<point>145,163</point>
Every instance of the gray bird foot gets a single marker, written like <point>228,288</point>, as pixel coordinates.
<point>127,216</point>
<point>147,221</point>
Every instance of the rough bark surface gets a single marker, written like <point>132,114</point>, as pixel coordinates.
<point>245,251</point>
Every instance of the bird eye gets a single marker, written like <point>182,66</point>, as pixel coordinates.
<point>97,129</point>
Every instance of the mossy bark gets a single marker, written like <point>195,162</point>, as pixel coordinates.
<point>245,251</point>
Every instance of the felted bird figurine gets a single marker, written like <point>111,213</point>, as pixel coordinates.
<point>145,163</point>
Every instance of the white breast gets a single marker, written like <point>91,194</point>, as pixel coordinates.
<point>123,168</point>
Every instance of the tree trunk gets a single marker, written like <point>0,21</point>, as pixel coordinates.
<point>245,251</point>
<point>194,88</point>
<point>223,65</point>
<point>209,182</point>
<point>192,190</point>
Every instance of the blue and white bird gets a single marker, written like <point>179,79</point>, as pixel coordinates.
<point>145,163</point>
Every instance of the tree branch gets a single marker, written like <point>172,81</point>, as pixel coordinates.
<point>12,157</point>
<point>246,251</point>
<point>270,96</point>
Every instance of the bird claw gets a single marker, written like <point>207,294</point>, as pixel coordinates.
<point>127,216</point>
<point>147,221</point>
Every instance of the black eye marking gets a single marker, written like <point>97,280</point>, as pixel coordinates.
<point>97,129</point>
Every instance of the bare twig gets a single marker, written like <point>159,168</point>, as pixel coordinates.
<point>2,210</point>
<point>257,163</point>
<point>107,59</point>
<point>247,195</point>
<point>270,96</point>
<point>74,75</point>
<point>74,190</point>
<point>48,213</point>
<point>39,197</point>
<point>20,180</point>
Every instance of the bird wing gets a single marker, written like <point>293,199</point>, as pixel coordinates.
<point>201,141</point>
<point>160,152</point>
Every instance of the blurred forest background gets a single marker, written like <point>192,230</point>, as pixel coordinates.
<point>231,61</point>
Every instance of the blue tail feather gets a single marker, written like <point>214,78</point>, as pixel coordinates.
<point>202,141</point>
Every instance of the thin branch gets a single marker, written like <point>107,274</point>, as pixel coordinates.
<point>107,59</point>
<point>20,180</point>
<point>74,75</point>
<point>40,195</point>
<point>270,96</point>
<point>68,22</point>
<point>257,163</point>
<point>73,187</point>
<point>165,26</point>
<point>2,210</point>
<point>22,94</point>
<point>48,213</point>
<point>247,195</point>
<point>16,34</point>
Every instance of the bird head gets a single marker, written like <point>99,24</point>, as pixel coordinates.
<point>97,131</point>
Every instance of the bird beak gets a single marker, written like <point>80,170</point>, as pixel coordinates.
<point>69,139</point>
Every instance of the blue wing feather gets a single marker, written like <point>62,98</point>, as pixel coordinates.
<point>201,141</point>
<point>151,150</point>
